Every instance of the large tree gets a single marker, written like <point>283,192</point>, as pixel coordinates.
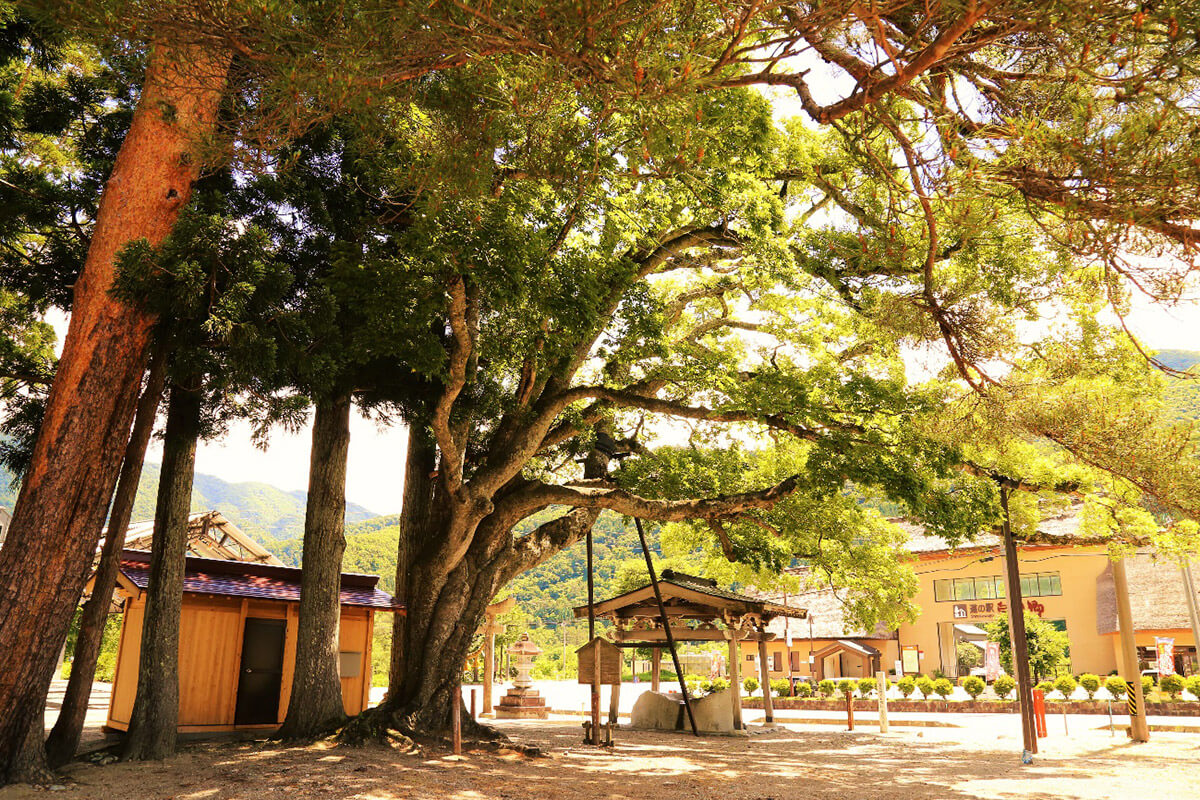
<point>977,98</point>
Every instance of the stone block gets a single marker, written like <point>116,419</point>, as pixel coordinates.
<point>714,712</point>
<point>655,711</point>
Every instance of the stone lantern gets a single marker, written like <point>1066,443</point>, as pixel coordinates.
<point>522,701</point>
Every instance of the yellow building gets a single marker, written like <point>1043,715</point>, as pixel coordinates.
<point>1063,580</point>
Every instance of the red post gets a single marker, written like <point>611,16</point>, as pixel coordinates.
<point>849,711</point>
<point>473,705</point>
<point>1039,712</point>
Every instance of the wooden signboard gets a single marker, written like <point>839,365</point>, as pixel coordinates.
<point>610,661</point>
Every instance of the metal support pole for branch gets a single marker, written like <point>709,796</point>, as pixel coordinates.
<point>595,647</point>
<point>1016,626</point>
<point>662,614</point>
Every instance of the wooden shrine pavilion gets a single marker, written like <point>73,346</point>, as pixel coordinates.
<point>697,610</point>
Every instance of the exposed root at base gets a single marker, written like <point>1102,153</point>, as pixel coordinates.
<point>383,726</point>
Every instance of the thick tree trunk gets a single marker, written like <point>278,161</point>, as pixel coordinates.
<point>64,736</point>
<point>155,717</point>
<point>416,519</point>
<point>316,706</point>
<point>66,491</point>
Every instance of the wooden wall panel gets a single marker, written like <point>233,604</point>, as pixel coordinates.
<point>125,683</point>
<point>289,658</point>
<point>209,634</point>
<point>354,635</point>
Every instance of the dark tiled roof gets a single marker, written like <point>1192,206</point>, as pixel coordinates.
<point>255,581</point>
<point>1156,595</point>
<point>1057,526</point>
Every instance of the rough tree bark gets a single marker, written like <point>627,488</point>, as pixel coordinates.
<point>65,494</point>
<point>416,517</point>
<point>152,726</point>
<point>316,706</point>
<point>63,740</point>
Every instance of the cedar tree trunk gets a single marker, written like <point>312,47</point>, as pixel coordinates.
<point>155,718</point>
<point>65,494</point>
<point>64,736</point>
<point>316,706</point>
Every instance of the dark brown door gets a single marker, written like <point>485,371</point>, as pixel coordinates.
<point>261,676</point>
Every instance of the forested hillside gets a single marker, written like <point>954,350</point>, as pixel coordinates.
<point>1182,395</point>
<point>267,513</point>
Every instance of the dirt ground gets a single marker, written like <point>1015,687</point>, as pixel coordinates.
<point>798,762</point>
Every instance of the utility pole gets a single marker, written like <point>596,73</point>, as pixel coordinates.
<point>1189,589</point>
<point>1016,627</point>
<point>1138,729</point>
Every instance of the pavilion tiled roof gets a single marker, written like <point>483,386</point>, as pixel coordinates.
<point>255,581</point>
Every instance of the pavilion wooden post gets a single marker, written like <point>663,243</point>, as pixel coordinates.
<point>490,629</point>
<point>735,679</point>
<point>614,702</point>
<point>765,672</point>
<point>656,668</point>
<point>1016,627</point>
<point>1138,729</point>
<point>666,623</point>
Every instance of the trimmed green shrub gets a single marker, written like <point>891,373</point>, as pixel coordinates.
<point>827,687</point>
<point>1147,684</point>
<point>1090,684</point>
<point>1193,686</point>
<point>750,685</point>
<point>866,686</point>
<point>803,689</point>
<point>718,684</point>
<point>974,686</point>
<point>1115,685</point>
<point>1045,686</point>
<point>781,687</point>
<point>1172,685</point>
<point>906,685</point>
<point>1003,686</point>
<point>943,687</point>
<point>925,684</point>
<point>1065,684</point>
<point>846,686</point>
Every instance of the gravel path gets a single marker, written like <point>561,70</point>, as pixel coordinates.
<point>795,762</point>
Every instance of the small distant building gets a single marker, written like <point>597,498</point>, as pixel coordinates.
<point>237,641</point>
<point>210,535</point>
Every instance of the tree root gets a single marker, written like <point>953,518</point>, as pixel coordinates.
<point>386,726</point>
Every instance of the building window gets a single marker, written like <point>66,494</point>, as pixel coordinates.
<point>777,661</point>
<point>1038,584</point>
<point>750,658</point>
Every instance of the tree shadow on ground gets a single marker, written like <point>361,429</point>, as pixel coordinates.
<point>814,764</point>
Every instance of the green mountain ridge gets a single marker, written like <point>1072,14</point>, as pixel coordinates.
<point>267,513</point>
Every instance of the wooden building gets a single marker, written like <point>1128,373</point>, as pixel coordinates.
<point>210,535</point>
<point>237,642</point>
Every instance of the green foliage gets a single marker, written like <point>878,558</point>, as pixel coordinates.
<point>1003,686</point>
<point>943,687</point>
<point>1090,683</point>
<point>804,689</point>
<point>1045,687</point>
<point>782,687</point>
<point>1116,686</point>
<point>1147,684</point>
<point>974,686</point>
<point>925,684</point>
<point>827,687</point>
<point>968,655</point>
<point>846,686</point>
<point>866,686</point>
<point>1047,645</point>
<point>1066,685</point>
<point>1193,686</point>
<point>1171,684</point>
<point>906,685</point>
<point>750,685</point>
